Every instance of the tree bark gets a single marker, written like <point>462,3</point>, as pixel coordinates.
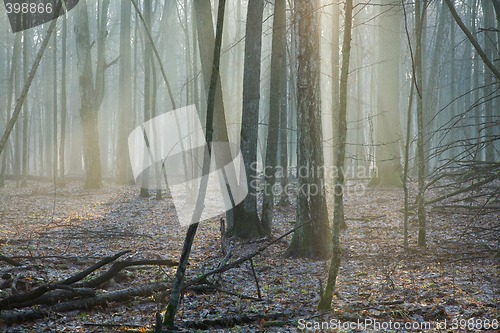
<point>275,105</point>
<point>419,18</point>
<point>338,212</point>
<point>175,294</point>
<point>388,128</point>
<point>246,221</point>
<point>125,116</point>
<point>88,107</point>
<point>312,240</point>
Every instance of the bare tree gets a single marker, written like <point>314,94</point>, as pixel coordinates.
<point>338,212</point>
<point>278,78</point>
<point>312,239</point>
<point>246,220</point>
<point>88,96</point>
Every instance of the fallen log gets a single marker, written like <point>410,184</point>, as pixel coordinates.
<point>227,322</point>
<point>118,266</point>
<point>51,293</point>
<point>9,261</point>
<point>14,300</point>
<point>17,316</point>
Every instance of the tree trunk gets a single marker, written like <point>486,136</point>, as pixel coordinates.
<point>388,128</point>
<point>88,107</point>
<point>312,239</point>
<point>54,111</point>
<point>338,213</point>
<point>175,293</point>
<point>125,116</point>
<point>246,221</point>
<point>206,42</point>
<point>422,229</point>
<point>275,105</point>
<point>147,12</point>
<point>63,102</point>
<point>24,171</point>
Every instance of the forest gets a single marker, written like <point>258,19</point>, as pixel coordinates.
<point>250,166</point>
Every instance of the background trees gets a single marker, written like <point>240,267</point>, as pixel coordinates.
<point>425,81</point>
<point>452,125</point>
<point>115,38</point>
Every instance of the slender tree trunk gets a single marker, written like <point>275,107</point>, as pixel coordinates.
<point>88,107</point>
<point>24,172</point>
<point>335,45</point>
<point>175,293</point>
<point>246,221</point>
<point>62,147</point>
<point>283,127</point>
<point>338,213</point>
<point>490,49</point>
<point>54,111</point>
<point>147,12</point>
<point>125,123</point>
<point>64,111</point>
<point>206,42</point>
<point>422,229</point>
<point>275,105</point>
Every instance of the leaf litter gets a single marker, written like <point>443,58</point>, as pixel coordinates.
<point>55,234</point>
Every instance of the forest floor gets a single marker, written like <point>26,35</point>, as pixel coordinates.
<point>455,279</point>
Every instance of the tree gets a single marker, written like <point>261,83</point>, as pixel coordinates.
<point>24,172</point>
<point>338,210</point>
<point>125,123</point>
<point>311,240</point>
<point>148,90</point>
<point>246,220</point>
<point>27,84</point>
<point>388,131</point>
<point>275,112</point>
<point>418,74</point>
<point>88,98</point>
<point>64,34</point>
<point>175,293</point>
<point>206,42</point>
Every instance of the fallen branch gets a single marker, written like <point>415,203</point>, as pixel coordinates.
<point>236,263</point>
<point>207,324</point>
<point>56,296</point>
<point>49,293</point>
<point>17,316</point>
<point>9,261</point>
<point>118,266</point>
<point>84,273</point>
<point>210,287</point>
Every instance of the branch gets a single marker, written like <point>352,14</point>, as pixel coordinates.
<point>16,316</point>
<point>118,266</point>
<point>238,262</point>
<point>9,261</point>
<point>83,274</point>
<point>15,300</point>
<point>473,41</point>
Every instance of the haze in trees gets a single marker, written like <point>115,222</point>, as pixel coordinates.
<point>380,116</point>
